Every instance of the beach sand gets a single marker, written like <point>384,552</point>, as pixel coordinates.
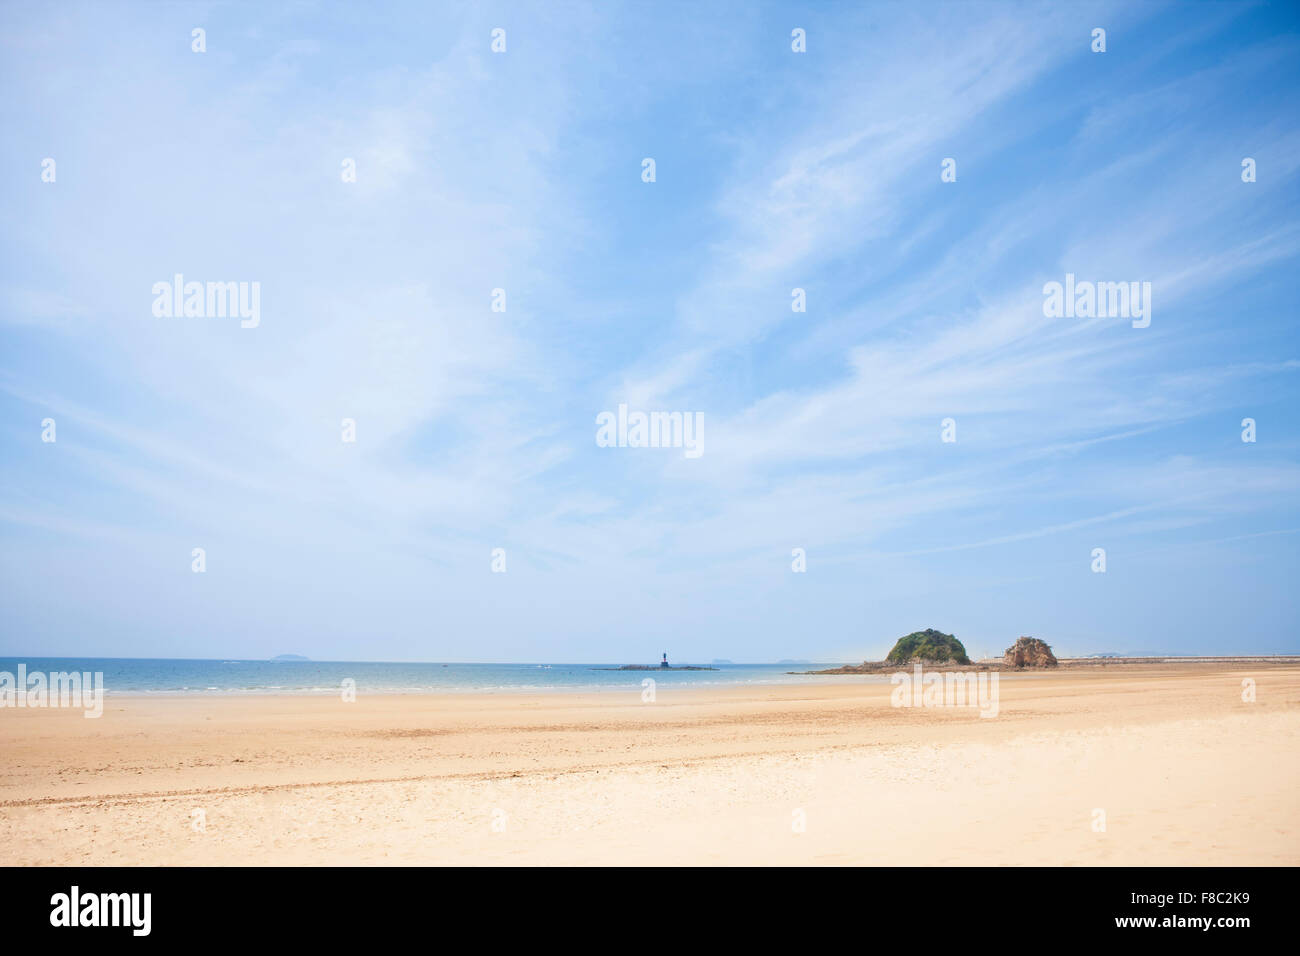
<point>1185,772</point>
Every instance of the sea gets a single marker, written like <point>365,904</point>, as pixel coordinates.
<point>140,676</point>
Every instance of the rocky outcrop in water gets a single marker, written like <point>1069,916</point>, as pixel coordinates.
<point>655,667</point>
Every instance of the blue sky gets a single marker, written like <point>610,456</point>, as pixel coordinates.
<point>476,429</point>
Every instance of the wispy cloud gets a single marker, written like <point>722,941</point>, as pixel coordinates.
<point>475,428</point>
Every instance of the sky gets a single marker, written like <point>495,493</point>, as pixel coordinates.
<point>475,429</point>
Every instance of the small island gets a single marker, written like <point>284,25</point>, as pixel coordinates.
<point>662,666</point>
<point>940,651</point>
<point>929,647</point>
<point>1029,652</point>
<point>288,658</point>
<point>655,667</point>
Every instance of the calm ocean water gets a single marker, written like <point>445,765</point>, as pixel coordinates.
<point>147,676</point>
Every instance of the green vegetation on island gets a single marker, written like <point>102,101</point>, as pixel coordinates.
<point>930,646</point>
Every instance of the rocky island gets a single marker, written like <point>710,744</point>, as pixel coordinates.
<point>663,666</point>
<point>937,650</point>
<point>654,667</point>
<point>1029,652</point>
<point>929,647</point>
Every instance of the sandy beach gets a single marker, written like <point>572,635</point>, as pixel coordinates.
<point>1131,765</point>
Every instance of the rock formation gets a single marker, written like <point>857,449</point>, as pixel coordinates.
<point>1029,652</point>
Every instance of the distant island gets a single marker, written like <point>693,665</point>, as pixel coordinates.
<point>654,667</point>
<point>663,666</point>
<point>289,657</point>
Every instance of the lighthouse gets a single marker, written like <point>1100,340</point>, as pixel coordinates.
<point>664,662</point>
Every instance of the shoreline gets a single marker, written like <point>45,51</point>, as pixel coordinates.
<point>869,672</point>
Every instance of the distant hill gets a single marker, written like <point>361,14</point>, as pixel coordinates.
<point>928,645</point>
<point>290,657</point>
